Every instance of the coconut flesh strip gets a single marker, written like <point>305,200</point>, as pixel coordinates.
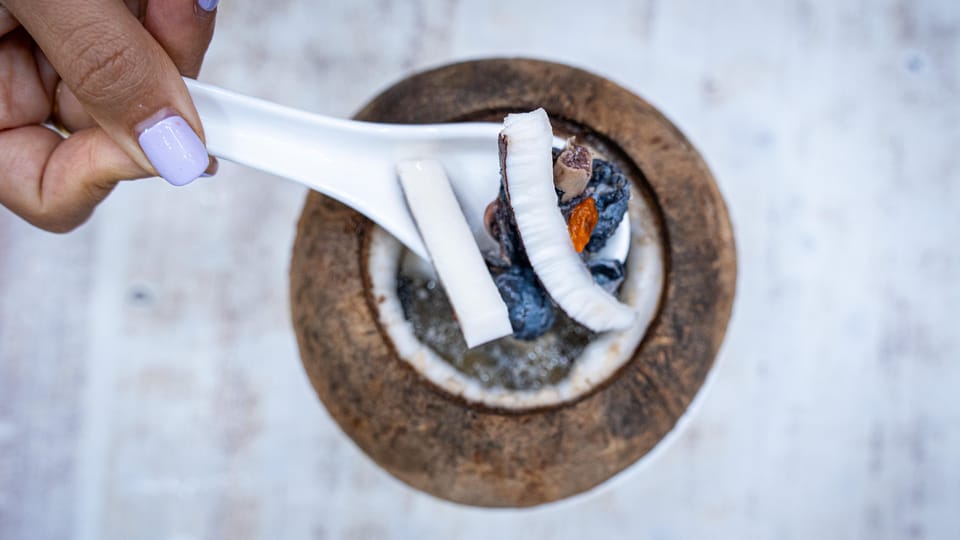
<point>527,164</point>
<point>480,310</point>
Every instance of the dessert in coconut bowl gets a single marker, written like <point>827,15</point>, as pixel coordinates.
<point>561,346</point>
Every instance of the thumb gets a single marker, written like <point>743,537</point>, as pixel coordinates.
<point>123,78</point>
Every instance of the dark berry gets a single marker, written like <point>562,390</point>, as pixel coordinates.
<point>610,189</point>
<point>531,311</point>
<point>607,273</point>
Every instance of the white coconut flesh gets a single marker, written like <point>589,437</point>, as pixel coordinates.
<point>528,177</point>
<point>480,310</point>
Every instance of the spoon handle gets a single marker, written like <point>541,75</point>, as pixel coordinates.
<point>349,161</point>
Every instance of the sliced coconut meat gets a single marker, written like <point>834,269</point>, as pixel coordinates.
<point>527,164</point>
<point>480,310</point>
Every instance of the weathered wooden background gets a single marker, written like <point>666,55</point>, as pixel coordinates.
<point>149,380</point>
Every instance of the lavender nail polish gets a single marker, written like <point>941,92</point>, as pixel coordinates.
<point>174,150</point>
<point>208,5</point>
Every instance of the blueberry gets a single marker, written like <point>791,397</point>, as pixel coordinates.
<point>531,311</point>
<point>610,189</point>
<point>607,273</point>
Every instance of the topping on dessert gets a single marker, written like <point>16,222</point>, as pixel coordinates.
<point>503,229</point>
<point>610,189</point>
<point>527,173</point>
<point>607,273</point>
<point>571,171</point>
<point>481,312</point>
<point>531,311</point>
<point>583,219</point>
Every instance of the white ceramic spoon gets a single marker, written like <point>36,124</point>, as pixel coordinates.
<point>355,162</point>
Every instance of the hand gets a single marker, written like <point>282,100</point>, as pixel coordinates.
<point>110,74</point>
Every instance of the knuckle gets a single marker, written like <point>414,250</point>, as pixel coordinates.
<point>108,69</point>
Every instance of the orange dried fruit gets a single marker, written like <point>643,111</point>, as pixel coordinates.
<point>583,218</point>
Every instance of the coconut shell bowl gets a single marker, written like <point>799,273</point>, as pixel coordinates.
<point>430,426</point>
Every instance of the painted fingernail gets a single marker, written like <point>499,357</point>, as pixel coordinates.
<point>174,150</point>
<point>207,5</point>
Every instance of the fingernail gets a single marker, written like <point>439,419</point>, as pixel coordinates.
<point>174,150</point>
<point>207,5</point>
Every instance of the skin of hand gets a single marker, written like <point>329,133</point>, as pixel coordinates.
<point>111,71</point>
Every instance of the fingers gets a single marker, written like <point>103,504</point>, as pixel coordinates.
<point>113,68</point>
<point>23,97</point>
<point>7,21</point>
<point>136,7</point>
<point>54,183</point>
<point>70,111</point>
<point>48,75</point>
<point>123,78</point>
<point>184,29</point>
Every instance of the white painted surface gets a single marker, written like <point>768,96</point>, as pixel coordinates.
<point>149,379</point>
